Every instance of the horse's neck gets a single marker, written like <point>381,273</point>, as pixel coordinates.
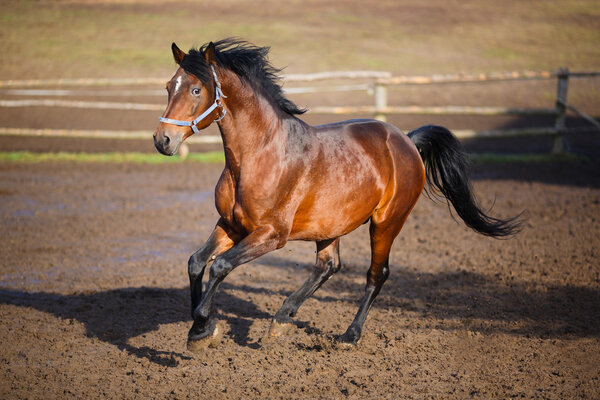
<point>251,128</point>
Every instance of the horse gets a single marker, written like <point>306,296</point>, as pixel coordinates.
<point>287,180</point>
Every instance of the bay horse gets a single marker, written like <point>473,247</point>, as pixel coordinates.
<point>287,180</point>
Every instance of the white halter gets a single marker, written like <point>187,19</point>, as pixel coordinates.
<point>217,103</point>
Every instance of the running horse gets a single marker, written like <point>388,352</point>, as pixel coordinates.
<point>287,180</point>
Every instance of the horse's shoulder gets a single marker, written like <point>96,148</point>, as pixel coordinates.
<point>225,194</point>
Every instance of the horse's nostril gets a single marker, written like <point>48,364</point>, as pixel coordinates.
<point>167,140</point>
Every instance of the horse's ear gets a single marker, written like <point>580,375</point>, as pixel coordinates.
<point>209,53</point>
<point>178,54</point>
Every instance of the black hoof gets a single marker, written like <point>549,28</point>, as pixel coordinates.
<point>278,329</point>
<point>347,340</point>
<point>205,339</point>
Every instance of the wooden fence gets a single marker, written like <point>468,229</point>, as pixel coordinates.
<point>378,86</point>
<point>562,75</point>
<point>381,109</point>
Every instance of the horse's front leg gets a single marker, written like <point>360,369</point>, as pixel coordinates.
<point>220,240</point>
<point>259,242</point>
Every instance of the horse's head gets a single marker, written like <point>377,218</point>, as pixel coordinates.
<point>193,103</point>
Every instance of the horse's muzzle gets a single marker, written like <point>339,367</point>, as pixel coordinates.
<point>166,144</point>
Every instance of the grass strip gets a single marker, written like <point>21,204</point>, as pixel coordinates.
<point>214,157</point>
<point>217,157</point>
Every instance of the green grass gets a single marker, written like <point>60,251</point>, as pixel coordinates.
<point>215,157</point>
<point>56,39</point>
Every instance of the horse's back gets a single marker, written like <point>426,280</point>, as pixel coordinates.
<point>393,152</point>
<point>369,131</point>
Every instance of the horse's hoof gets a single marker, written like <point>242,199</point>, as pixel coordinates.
<point>212,340</point>
<point>278,329</point>
<point>346,343</point>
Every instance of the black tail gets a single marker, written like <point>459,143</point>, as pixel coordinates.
<point>446,166</point>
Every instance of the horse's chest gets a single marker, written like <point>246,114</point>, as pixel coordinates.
<point>231,205</point>
<point>238,217</point>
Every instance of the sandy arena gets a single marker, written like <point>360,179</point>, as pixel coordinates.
<point>94,297</point>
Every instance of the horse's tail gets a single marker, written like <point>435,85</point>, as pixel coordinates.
<point>446,166</point>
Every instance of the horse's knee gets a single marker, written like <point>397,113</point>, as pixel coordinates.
<point>195,266</point>
<point>219,269</point>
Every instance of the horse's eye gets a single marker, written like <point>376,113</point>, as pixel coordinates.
<point>196,91</point>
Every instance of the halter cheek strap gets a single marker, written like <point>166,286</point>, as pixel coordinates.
<point>217,103</point>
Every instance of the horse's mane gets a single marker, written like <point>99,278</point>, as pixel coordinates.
<point>247,61</point>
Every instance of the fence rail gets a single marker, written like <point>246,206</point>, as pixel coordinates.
<point>433,110</point>
<point>161,81</point>
<point>562,76</point>
<point>378,86</point>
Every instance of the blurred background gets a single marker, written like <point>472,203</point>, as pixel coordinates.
<point>84,42</point>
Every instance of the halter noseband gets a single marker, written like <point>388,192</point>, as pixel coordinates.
<point>216,103</point>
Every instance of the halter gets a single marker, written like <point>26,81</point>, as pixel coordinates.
<point>217,103</point>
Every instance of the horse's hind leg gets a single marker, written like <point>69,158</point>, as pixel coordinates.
<point>328,263</point>
<point>382,235</point>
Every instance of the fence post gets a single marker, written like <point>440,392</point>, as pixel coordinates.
<point>561,110</point>
<point>380,93</point>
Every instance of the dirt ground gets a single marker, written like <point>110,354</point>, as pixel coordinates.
<point>94,297</point>
<point>94,300</point>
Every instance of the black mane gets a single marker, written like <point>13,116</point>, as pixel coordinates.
<point>246,60</point>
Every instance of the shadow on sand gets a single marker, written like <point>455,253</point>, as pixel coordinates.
<point>115,316</point>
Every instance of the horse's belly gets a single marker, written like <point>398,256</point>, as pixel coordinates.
<point>327,217</point>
